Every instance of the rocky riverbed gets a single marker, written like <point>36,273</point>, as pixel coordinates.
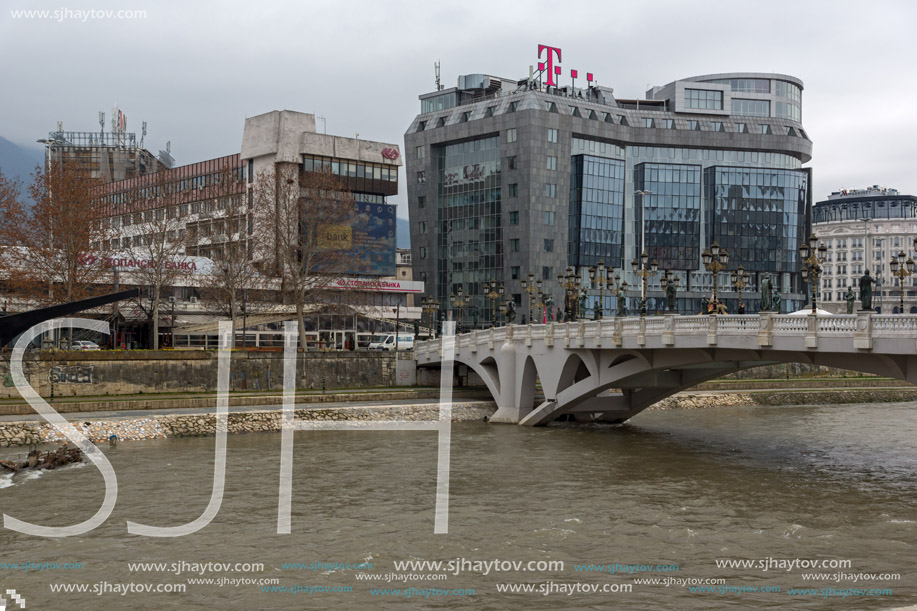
<point>201,425</point>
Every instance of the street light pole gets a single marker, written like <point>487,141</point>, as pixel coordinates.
<point>531,286</point>
<point>640,271</point>
<point>715,261</point>
<point>812,263</point>
<point>901,266</point>
<point>740,278</point>
<point>457,300</point>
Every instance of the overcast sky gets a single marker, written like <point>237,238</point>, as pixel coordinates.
<point>194,71</point>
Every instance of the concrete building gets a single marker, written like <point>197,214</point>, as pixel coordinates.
<point>207,205</point>
<point>510,177</point>
<point>863,229</point>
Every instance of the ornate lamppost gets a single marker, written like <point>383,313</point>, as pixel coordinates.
<point>459,301</point>
<point>570,282</point>
<point>668,278</point>
<point>715,261</point>
<point>430,306</point>
<point>493,292</point>
<point>600,276</point>
<point>640,270</point>
<point>740,279</point>
<point>619,289</point>
<point>532,287</point>
<point>902,266</point>
<point>812,256</point>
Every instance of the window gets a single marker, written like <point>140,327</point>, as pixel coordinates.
<point>552,135</point>
<point>668,123</point>
<point>441,122</point>
<point>704,99</point>
<point>751,108</point>
<point>549,245</point>
<point>420,151</point>
<point>716,126</point>
<point>421,201</point>
<point>552,163</point>
<point>421,125</point>
<point>513,106</point>
<point>465,116</point>
<point>741,128</point>
<point>514,217</point>
<point>511,135</point>
<point>490,111</point>
<point>423,227</point>
<point>648,122</point>
<point>765,129</point>
<point>547,273</point>
<point>423,252</point>
<point>421,177</point>
<point>552,107</point>
<point>512,190</point>
<point>550,190</point>
<point>511,162</point>
<point>514,245</point>
<point>549,218</point>
<point>694,125</point>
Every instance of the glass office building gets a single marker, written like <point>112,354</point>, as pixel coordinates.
<point>513,178</point>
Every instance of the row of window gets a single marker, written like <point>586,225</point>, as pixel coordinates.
<point>350,169</point>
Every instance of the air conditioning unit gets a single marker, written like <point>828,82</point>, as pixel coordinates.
<point>193,300</point>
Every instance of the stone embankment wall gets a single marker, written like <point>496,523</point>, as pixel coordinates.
<point>203,425</point>
<point>125,373</point>
<point>689,400</point>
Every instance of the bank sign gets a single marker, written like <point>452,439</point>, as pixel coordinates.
<point>369,241</point>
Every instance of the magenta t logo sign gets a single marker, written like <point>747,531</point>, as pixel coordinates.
<point>551,68</point>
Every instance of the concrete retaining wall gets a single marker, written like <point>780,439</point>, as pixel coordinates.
<point>124,373</point>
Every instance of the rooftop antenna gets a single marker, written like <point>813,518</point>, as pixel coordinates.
<point>142,134</point>
<point>169,147</point>
<point>102,125</point>
<point>60,126</point>
<point>324,124</point>
<point>439,86</point>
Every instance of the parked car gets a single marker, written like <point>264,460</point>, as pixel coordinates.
<point>85,345</point>
<point>387,342</point>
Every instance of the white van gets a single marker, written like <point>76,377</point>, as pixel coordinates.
<point>387,342</point>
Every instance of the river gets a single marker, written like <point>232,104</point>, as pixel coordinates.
<point>774,486</point>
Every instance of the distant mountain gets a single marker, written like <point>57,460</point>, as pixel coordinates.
<point>404,233</point>
<point>18,161</point>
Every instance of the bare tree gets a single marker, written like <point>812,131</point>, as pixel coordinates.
<point>160,246</point>
<point>52,247</point>
<point>233,272</point>
<point>304,226</point>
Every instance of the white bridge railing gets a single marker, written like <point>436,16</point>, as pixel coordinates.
<point>862,328</point>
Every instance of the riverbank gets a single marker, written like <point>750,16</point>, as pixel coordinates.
<point>200,421</point>
<point>166,426</point>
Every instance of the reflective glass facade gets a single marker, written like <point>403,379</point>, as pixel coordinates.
<point>758,215</point>
<point>673,213</point>
<point>705,99</point>
<point>596,211</point>
<point>751,108</point>
<point>745,85</point>
<point>470,234</point>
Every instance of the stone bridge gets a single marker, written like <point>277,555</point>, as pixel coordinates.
<point>612,369</point>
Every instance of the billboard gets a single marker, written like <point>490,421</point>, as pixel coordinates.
<point>371,240</point>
